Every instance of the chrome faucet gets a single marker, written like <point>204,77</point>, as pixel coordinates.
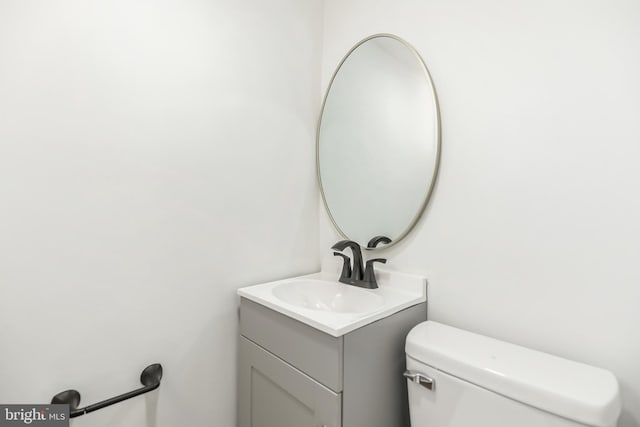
<point>354,275</point>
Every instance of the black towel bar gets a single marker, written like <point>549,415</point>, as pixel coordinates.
<point>150,379</point>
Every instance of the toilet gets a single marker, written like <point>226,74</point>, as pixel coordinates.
<point>457,378</point>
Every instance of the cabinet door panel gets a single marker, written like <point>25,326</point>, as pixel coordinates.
<point>311,351</point>
<point>272,393</point>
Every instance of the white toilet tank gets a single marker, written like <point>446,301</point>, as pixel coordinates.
<point>478,381</point>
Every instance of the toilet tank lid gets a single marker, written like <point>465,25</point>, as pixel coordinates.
<point>563,387</point>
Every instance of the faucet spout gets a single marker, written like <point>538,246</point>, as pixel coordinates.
<point>357,270</point>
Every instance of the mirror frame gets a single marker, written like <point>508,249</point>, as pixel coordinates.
<point>438,141</point>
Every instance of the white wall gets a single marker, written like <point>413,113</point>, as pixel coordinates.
<point>154,157</point>
<point>533,233</point>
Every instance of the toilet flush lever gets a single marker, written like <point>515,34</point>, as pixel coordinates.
<point>421,379</point>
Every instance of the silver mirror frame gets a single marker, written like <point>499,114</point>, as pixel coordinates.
<point>438,142</point>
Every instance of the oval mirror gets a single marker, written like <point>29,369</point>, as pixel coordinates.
<point>378,141</point>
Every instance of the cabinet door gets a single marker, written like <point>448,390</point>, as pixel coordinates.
<point>273,393</point>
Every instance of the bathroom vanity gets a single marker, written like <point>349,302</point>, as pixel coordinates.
<point>342,371</point>
<point>317,353</point>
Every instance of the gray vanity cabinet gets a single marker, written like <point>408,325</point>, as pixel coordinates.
<point>293,375</point>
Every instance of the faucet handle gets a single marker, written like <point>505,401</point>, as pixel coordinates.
<point>345,276</point>
<point>370,275</point>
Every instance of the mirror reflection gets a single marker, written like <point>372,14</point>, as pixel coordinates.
<point>378,141</point>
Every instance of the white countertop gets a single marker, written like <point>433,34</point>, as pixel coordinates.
<point>397,290</point>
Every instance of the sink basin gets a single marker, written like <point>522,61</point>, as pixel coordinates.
<point>320,301</point>
<point>328,296</point>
